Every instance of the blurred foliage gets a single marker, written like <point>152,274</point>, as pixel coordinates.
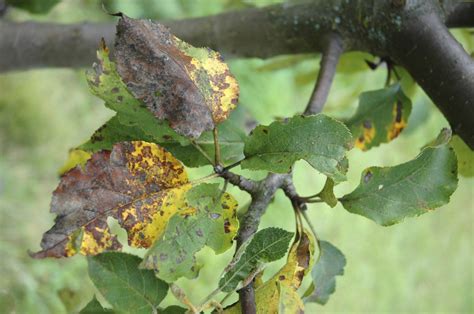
<point>422,265</point>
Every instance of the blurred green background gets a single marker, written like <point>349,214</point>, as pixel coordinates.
<point>424,264</point>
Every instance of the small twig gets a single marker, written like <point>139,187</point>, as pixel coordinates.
<point>329,61</point>
<point>199,148</point>
<point>241,182</point>
<point>217,149</point>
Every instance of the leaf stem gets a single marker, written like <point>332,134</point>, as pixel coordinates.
<point>217,154</point>
<point>203,152</point>
<point>204,179</point>
<point>235,164</point>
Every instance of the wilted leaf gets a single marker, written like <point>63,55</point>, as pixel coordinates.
<point>127,288</point>
<point>231,142</point>
<point>266,246</point>
<point>327,193</point>
<point>279,293</point>
<point>320,140</point>
<point>94,307</point>
<point>106,83</point>
<point>190,87</point>
<point>76,157</point>
<point>214,223</point>
<point>138,183</point>
<point>331,263</point>
<point>388,195</point>
<point>381,116</point>
<point>465,157</point>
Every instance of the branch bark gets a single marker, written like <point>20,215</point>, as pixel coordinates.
<point>413,33</point>
<point>329,60</point>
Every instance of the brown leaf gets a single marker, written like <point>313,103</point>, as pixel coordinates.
<point>190,87</point>
<point>138,183</point>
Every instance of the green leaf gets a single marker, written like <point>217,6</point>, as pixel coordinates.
<point>94,307</point>
<point>124,286</point>
<point>327,193</point>
<point>387,195</point>
<point>381,116</point>
<point>331,263</point>
<point>34,6</point>
<point>214,224</point>
<point>231,142</point>
<point>266,246</point>
<point>320,140</point>
<point>106,83</point>
<point>465,157</point>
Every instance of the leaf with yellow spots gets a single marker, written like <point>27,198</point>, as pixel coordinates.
<point>213,223</point>
<point>191,88</point>
<point>279,293</point>
<point>138,183</point>
<point>381,116</point>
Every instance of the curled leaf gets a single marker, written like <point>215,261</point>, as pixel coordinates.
<point>190,87</point>
<point>331,263</point>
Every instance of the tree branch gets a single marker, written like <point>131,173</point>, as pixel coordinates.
<point>412,33</point>
<point>330,57</point>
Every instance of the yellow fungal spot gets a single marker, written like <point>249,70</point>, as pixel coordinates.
<point>368,134</point>
<point>91,245</point>
<point>398,122</point>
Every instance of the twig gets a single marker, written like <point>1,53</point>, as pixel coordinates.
<point>330,58</point>
<point>241,182</point>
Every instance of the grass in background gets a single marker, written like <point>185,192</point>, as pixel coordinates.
<point>424,264</point>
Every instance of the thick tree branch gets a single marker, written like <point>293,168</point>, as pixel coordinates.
<point>412,33</point>
<point>330,57</point>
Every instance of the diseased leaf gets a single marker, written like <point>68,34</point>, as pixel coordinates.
<point>266,246</point>
<point>94,307</point>
<point>76,157</point>
<point>320,140</point>
<point>231,142</point>
<point>331,263</point>
<point>381,116</point>
<point>138,183</point>
<point>290,301</point>
<point>192,88</point>
<point>106,83</point>
<point>327,193</point>
<point>387,195</point>
<point>214,223</point>
<point>279,293</point>
<point>127,288</point>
